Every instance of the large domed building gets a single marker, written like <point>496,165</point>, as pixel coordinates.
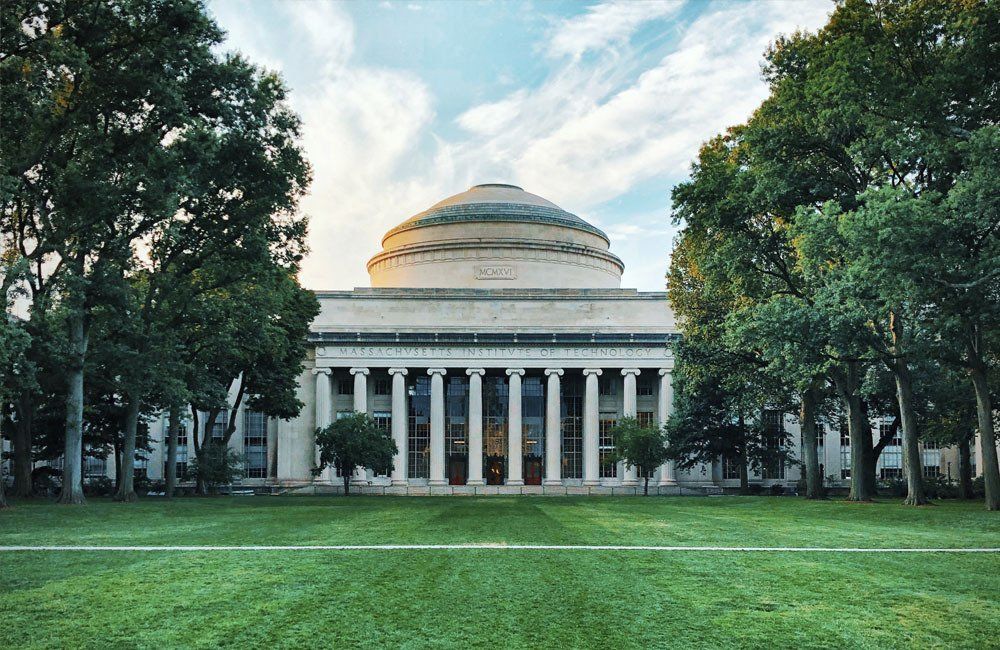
<point>497,347</point>
<point>496,232</point>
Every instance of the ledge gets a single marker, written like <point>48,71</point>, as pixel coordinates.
<point>490,338</point>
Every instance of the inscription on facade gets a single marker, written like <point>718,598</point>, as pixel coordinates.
<point>514,352</point>
<point>496,272</point>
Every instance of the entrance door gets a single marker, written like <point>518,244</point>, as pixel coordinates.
<point>457,470</point>
<point>494,470</point>
<point>532,470</point>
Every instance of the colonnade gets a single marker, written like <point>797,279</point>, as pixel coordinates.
<point>552,450</point>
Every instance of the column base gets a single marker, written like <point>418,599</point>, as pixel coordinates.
<point>592,482</point>
<point>514,482</point>
<point>398,482</point>
<point>630,483</point>
<point>476,482</point>
<point>437,482</point>
<point>670,482</point>
<point>552,482</point>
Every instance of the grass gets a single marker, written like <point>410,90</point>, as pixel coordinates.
<point>491,598</point>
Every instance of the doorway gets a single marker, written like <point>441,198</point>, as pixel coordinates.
<point>532,470</point>
<point>494,470</point>
<point>458,468</point>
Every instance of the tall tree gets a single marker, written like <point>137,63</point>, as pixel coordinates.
<point>351,442</point>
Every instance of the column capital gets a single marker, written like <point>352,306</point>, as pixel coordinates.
<point>322,371</point>
<point>398,371</point>
<point>475,371</point>
<point>359,371</point>
<point>666,371</point>
<point>515,371</point>
<point>553,371</point>
<point>437,371</point>
<point>630,371</point>
<point>592,371</point>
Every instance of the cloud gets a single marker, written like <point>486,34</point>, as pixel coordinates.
<point>604,25</point>
<point>613,112</point>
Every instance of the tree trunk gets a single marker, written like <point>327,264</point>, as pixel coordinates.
<point>965,470</point>
<point>3,493</point>
<point>907,418</point>
<point>22,446</point>
<point>846,381</point>
<point>868,449</point>
<point>347,481</point>
<point>72,484</point>
<point>987,438</point>
<point>645,487</point>
<point>173,430</point>
<point>744,477</point>
<point>807,421</point>
<point>126,482</point>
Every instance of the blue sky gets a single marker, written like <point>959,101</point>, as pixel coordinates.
<point>598,107</point>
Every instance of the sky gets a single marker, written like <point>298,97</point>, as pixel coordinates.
<point>598,107</point>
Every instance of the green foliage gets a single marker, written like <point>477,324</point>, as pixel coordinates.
<point>354,441</point>
<point>644,448</point>
<point>217,465</point>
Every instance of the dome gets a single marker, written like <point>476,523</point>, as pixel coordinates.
<point>495,236</point>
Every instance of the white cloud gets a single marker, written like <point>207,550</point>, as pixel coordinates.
<point>603,121</point>
<point>605,25</point>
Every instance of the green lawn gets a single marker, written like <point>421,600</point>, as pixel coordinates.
<point>499,598</point>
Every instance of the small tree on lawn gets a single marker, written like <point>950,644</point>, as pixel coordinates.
<point>644,448</point>
<point>354,441</point>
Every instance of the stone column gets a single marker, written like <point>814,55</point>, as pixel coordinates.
<point>591,424</point>
<point>437,426</point>
<point>400,422</point>
<point>629,410</point>
<point>553,430</point>
<point>515,451</point>
<point>475,425</point>
<point>361,406</point>
<point>665,406</point>
<point>323,415</point>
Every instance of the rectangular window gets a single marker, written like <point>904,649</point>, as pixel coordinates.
<point>931,444</point>
<point>345,386</point>
<point>932,471</point>
<point>255,444</point>
<point>892,472</point>
<point>845,462</point>
<point>885,428</point>
<point>730,469</point>
<point>645,418</point>
<point>94,467</point>
<point>218,428</point>
<point>645,386</point>
<point>607,384</point>
<point>773,422</point>
<point>182,449</point>
<point>606,445</point>
<point>344,414</point>
<point>382,386</point>
<point>419,439</point>
<point>383,420</point>
<point>571,427</point>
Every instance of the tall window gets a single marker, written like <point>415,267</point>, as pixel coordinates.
<point>606,445</point>
<point>182,449</point>
<point>571,425</point>
<point>382,386</point>
<point>730,469</point>
<point>345,386</point>
<point>218,428</point>
<point>255,444</point>
<point>885,428</point>
<point>495,402</point>
<point>456,417</point>
<point>773,422</point>
<point>645,418</point>
<point>607,384</point>
<point>140,463</point>
<point>419,439</point>
<point>644,386</point>
<point>533,417</point>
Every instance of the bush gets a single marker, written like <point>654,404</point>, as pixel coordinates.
<point>100,486</point>
<point>978,488</point>
<point>217,465</point>
<point>777,489</point>
<point>892,487</point>
<point>939,487</point>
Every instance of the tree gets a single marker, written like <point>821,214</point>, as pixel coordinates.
<point>644,448</point>
<point>351,442</point>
